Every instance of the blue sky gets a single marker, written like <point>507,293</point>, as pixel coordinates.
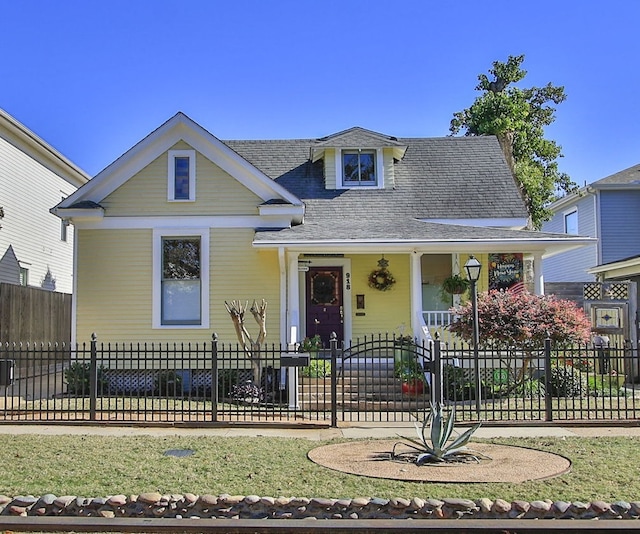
<point>94,77</point>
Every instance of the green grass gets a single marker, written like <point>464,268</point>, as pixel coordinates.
<point>96,466</point>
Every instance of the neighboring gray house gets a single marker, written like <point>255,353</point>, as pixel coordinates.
<point>608,210</point>
<point>36,248</point>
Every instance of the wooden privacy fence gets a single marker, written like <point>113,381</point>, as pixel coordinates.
<point>373,379</point>
<point>29,314</point>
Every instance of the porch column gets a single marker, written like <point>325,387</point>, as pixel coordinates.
<point>292,334</point>
<point>538,278</point>
<point>415,273</point>
<point>293,324</point>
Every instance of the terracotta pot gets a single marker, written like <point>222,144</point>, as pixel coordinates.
<point>413,387</point>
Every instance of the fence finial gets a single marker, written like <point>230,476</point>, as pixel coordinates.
<point>94,336</point>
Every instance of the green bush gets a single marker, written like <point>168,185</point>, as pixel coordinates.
<point>566,382</point>
<point>529,388</point>
<point>317,369</point>
<point>77,376</point>
<point>455,384</point>
<point>606,385</point>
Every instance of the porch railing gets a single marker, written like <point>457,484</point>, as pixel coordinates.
<point>437,322</point>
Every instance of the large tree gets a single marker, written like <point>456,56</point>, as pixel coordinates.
<point>518,116</point>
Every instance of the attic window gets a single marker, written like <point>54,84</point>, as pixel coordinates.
<point>359,167</point>
<point>182,175</point>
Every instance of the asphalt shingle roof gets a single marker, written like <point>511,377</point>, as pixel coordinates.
<point>630,176</point>
<point>448,177</point>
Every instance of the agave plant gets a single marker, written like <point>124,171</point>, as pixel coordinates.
<point>435,443</point>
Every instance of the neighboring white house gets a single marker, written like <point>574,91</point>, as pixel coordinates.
<point>36,248</point>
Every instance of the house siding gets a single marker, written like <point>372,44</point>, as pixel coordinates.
<point>384,309</point>
<point>572,266</point>
<point>330,178</point>
<point>217,193</point>
<point>620,211</point>
<point>28,190</point>
<point>115,286</point>
<point>389,176</point>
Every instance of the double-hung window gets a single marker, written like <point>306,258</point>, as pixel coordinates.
<point>181,279</point>
<point>182,175</point>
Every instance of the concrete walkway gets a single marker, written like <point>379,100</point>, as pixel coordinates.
<point>352,431</point>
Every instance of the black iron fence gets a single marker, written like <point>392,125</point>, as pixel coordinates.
<point>377,378</point>
<point>542,383</point>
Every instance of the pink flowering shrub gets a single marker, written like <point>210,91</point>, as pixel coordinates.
<point>507,319</point>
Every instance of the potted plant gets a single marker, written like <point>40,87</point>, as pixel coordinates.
<point>454,285</point>
<point>311,344</point>
<point>411,375</point>
<point>403,348</point>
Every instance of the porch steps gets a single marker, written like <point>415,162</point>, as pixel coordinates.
<point>362,380</point>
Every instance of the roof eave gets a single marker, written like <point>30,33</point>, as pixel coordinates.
<point>78,213</point>
<point>49,156</point>
<point>546,246</point>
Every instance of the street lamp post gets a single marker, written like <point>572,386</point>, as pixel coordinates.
<point>473,267</point>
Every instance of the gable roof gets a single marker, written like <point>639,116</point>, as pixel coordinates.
<point>357,137</point>
<point>460,181</point>
<point>178,128</point>
<point>627,177</point>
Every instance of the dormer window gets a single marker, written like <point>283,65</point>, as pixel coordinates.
<point>360,168</point>
<point>182,175</point>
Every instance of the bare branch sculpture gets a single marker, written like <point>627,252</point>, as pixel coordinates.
<point>250,346</point>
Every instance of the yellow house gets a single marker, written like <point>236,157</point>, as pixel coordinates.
<point>354,233</point>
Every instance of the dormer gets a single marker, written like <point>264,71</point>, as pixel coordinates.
<point>358,159</point>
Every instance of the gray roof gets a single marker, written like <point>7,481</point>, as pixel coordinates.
<point>357,138</point>
<point>359,230</point>
<point>448,177</point>
<point>630,176</point>
<point>453,178</point>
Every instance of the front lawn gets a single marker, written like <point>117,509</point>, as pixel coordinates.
<point>97,466</point>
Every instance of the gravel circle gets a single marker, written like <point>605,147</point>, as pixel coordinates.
<point>505,463</point>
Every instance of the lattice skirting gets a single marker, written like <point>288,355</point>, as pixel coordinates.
<point>144,381</point>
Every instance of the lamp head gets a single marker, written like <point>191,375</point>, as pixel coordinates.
<point>473,267</point>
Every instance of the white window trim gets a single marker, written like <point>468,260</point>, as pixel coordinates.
<point>156,300</point>
<point>171,186</point>
<point>564,220</point>
<point>379,169</point>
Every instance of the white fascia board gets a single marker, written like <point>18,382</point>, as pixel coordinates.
<point>512,223</point>
<point>624,187</point>
<point>179,128</point>
<point>570,199</point>
<point>630,266</point>
<point>219,221</point>
<point>546,247</point>
<point>78,213</point>
<point>295,213</point>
